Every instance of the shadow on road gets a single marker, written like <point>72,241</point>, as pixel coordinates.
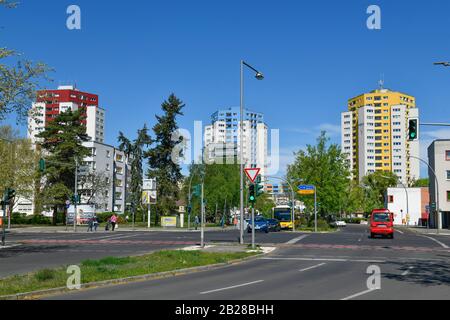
<point>422,272</point>
<point>20,250</point>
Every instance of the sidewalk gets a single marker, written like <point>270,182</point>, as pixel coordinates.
<point>83,229</point>
<point>443,232</point>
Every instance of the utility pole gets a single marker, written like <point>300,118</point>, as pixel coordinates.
<point>315,209</point>
<point>203,218</point>
<point>76,197</point>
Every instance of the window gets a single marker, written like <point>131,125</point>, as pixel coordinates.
<point>447,155</point>
<point>448,174</point>
<point>391,199</point>
<point>448,196</point>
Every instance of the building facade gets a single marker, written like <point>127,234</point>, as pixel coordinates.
<point>408,205</point>
<point>50,103</point>
<point>375,135</point>
<point>111,168</point>
<point>439,160</point>
<point>104,176</point>
<point>222,137</point>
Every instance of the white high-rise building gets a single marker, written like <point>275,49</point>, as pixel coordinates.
<point>222,138</point>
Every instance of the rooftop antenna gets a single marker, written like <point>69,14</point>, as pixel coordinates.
<point>381,82</point>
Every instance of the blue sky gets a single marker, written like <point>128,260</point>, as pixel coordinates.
<point>315,55</point>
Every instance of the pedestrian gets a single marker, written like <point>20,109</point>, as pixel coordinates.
<point>196,222</point>
<point>108,224</point>
<point>113,222</point>
<point>126,219</point>
<point>96,223</point>
<point>90,224</point>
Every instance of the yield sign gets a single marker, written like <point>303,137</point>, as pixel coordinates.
<point>252,173</point>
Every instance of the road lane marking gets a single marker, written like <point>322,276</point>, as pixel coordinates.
<point>122,237</point>
<point>295,240</point>
<point>356,295</point>
<point>407,271</point>
<point>233,287</point>
<point>438,242</point>
<point>325,259</point>
<point>313,267</point>
<point>401,232</point>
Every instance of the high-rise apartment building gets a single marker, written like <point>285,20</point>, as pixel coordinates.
<point>375,134</point>
<point>222,137</point>
<point>50,103</point>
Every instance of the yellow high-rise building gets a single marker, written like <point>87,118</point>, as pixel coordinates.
<point>374,134</point>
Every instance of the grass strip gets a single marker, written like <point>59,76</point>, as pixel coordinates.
<point>111,268</point>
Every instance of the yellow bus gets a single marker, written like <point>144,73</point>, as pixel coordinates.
<point>283,214</point>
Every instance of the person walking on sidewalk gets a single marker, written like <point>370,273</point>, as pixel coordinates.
<point>197,221</point>
<point>113,222</point>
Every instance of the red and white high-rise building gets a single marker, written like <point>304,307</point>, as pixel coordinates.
<point>50,103</point>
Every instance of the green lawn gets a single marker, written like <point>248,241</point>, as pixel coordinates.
<point>115,268</point>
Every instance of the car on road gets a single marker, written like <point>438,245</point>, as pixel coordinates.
<point>382,223</point>
<point>274,225</point>
<point>339,224</point>
<point>261,224</point>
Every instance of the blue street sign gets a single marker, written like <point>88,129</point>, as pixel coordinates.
<point>305,187</point>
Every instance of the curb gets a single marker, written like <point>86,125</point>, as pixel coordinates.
<point>154,276</point>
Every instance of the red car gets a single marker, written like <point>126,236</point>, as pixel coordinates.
<point>382,223</point>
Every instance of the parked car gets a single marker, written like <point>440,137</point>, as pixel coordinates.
<point>339,224</point>
<point>274,225</point>
<point>261,224</point>
<point>382,223</point>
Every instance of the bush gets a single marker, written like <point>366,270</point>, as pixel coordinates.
<point>21,218</point>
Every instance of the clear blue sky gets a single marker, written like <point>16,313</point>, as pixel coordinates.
<point>315,55</point>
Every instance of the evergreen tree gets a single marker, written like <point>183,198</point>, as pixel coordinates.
<point>135,153</point>
<point>62,146</point>
<point>161,165</point>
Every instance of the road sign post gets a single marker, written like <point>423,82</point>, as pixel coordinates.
<point>310,190</point>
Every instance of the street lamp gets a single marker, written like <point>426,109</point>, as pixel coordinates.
<point>258,76</point>
<point>445,64</point>
<point>438,216</point>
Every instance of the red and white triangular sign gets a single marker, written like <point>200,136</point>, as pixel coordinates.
<point>252,173</point>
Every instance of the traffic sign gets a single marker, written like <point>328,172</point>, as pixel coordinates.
<point>252,173</point>
<point>306,190</point>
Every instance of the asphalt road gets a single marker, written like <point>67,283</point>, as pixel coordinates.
<point>305,266</point>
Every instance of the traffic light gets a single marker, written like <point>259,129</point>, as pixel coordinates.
<point>42,165</point>
<point>413,130</point>
<point>259,187</point>
<point>197,191</point>
<point>8,196</point>
<point>252,194</point>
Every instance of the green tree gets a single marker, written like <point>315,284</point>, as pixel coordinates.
<point>324,166</point>
<point>421,183</point>
<point>62,142</point>
<point>265,204</point>
<point>19,80</point>
<point>375,186</point>
<point>18,163</point>
<point>162,166</point>
<point>135,151</point>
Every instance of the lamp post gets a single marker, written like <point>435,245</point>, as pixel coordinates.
<point>438,216</point>
<point>258,76</point>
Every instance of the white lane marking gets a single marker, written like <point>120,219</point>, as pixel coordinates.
<point>110,237</point>
<point>313,267</point>
<point>438,242</point>
<point>295,240</point>
<point>401,232</point>
<point>123,237</point>
<point>359,294</point>
<point>324,259</point>
<point>407,271</point>
<point>233,287</point>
